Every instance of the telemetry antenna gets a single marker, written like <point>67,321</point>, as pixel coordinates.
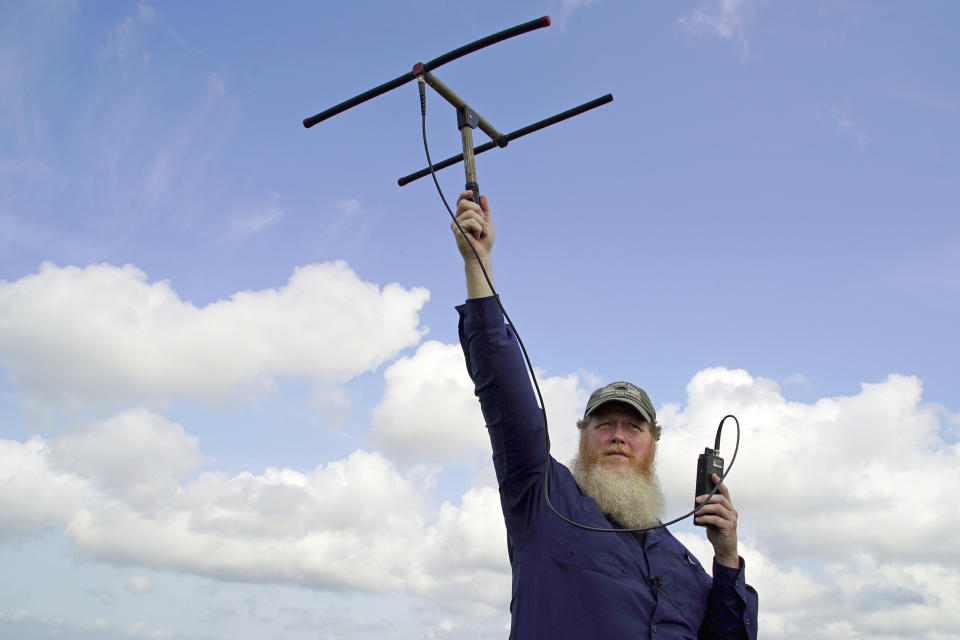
<point>467,118</point>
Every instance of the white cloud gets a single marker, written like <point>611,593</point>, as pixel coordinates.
<point>796,379</point>
<point>816,480</point>
<point>443,629</point>
<point>137,456</point>
<point>724,19</point>
<point>858,598</point>
<point>102,334</point>
<point>844,509</point>
<point>15,616</point>
<point>429,413</point>
<point>355,524</point>
<point>566,397</point>
<point>466,554</point>
<point>34,496</point>
<point>139,584</point>
<point>348,524</point>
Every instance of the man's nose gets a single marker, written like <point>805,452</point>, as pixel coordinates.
<point>619,433</point>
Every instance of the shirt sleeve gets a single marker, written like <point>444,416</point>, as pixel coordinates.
<point>513,417</point>
<point>731,605</point>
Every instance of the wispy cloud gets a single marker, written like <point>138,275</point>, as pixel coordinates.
<point>139,585</point>
<point>846,125</point>
<point>349,214</point>
<point>349,206</point>
<point>29,34</point>
<point>262,217</point>
<point>724,19</point>
<point>797,378</point>
<point>125,36</point>
<point>567,7</point>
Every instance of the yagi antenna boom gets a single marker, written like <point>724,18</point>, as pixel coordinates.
<point>467,118</point>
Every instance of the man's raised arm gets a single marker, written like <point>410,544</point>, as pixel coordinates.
<point>475,220</point>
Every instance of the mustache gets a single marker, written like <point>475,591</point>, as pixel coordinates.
<point>620,450</point>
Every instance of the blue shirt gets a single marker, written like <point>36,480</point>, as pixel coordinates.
<point>568,582</point>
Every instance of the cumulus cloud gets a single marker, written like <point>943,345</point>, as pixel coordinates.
<point>355,524</point>
<point>103,334</point>
<point>136,456</point>
<point>349,524</point>
<point>33,495</point>
<point>429,413</point>
<point>466,561</point>
<point>845,518</point>
<point>817,480</point>
<point>861,597</point>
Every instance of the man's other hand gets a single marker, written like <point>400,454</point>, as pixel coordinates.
<point>721,517</point>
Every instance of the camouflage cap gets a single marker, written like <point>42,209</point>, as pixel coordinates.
<point>625,392</point>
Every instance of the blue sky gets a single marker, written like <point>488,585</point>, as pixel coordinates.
<point>231,400</point>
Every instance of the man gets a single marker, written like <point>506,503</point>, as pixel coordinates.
<point>569,582</point>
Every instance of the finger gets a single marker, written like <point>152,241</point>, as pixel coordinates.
<point>715,521</point>
<point>471,215</point>
<point>723,490</point>
<point>484,205</point>
<point>718,509</point>
<point>466,197</point>
<point>721,520</point>
<point>466,201</point>
<point>718,500</point>
<point>469,225</point>
<point>467,205</point>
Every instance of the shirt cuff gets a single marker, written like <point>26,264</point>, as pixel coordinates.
<point>480,312</point>
<point>729,581</point>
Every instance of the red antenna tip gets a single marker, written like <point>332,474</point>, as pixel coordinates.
<point>545,21</point>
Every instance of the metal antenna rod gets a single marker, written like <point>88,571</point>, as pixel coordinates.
<point>433,64</point>
<point>513,135</point>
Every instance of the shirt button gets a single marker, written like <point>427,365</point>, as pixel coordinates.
<point>653,629</point>
<point>746,620</point>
